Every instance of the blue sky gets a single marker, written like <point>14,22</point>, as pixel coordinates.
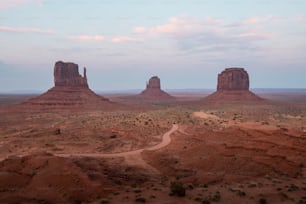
<point>124,42</point>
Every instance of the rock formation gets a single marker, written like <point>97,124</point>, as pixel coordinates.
<point>153,91</point>
<point>233,79</point>
<point>67,74</point>
<point>154,83</point>
<point>70,89</point>
<point>233,85</point>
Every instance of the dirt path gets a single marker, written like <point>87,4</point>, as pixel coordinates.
<point>131,157</point>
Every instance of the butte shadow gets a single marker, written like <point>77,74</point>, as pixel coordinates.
<point>70,90</point>
<point>233,86</point>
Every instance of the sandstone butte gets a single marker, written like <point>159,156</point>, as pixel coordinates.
<point>153,91</point>
<point>233,85</point>
<point>70,89</point>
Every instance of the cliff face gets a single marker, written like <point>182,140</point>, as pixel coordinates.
<point>67,74</point>
<point>233,79</point>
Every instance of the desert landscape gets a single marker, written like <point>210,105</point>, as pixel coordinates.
<point>70,145</point>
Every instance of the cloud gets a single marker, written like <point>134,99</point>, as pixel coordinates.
<point>302,19</point>
<point>140,30</point>
<point>208,34</point>
<point>258,20</point>
<point>252,35</point>
<point>123,39</point>
<point>179,26</point>
<point>14,3</point>
<point>194,35</point>
<point>87,38</point>
<point>100,38</point>
<point>26,30</point>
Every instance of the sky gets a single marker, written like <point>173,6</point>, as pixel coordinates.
<point>122,43</point>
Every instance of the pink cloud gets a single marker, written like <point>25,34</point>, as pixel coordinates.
<point>302,19</point>
<point>86,38</point>
<point>252,20</point>
<point>26,30</point>
<point>179,26</point>
<point>182,28</point>
<point>14,3</point>
<point>209,34</point>
<point>123,39</point>
<point>258,20</point>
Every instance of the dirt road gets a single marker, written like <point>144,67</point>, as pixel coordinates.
<point>131,157</point>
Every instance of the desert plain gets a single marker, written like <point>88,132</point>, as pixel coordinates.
<point>183,151</point>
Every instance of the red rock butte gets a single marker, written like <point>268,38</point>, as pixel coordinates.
<point>233,79</point>
<point>153,91</point>
<point>233,85</point>
<point>70,89</point>
<point>67,74</point>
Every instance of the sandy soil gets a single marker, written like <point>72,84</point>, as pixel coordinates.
<point>230,153</point>
<point>132,158</point>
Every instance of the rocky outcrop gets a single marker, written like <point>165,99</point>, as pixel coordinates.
<point>154,83</point>
<point>233,79</point>
<point>153,91</point>
<point>70,90</point>
<point>67,74</point>
<point>233,86</point>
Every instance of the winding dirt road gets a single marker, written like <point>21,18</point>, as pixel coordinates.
<point>131,157</point>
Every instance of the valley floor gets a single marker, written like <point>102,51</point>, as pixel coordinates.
<point>217,153</point>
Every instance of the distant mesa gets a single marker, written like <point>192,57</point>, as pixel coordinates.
<point>153,91</point>
<point>70,89</point>
<point>233,85</point>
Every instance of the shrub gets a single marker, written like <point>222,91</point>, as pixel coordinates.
<point>262,201</point>
<point>113,136</point>
<point>140,200</point>
<point>205,201</point>
<point>104,201</point>
<point>57,131</point>
<point>177,189</point>
<point>137,190</point>
<point>216,197</point>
